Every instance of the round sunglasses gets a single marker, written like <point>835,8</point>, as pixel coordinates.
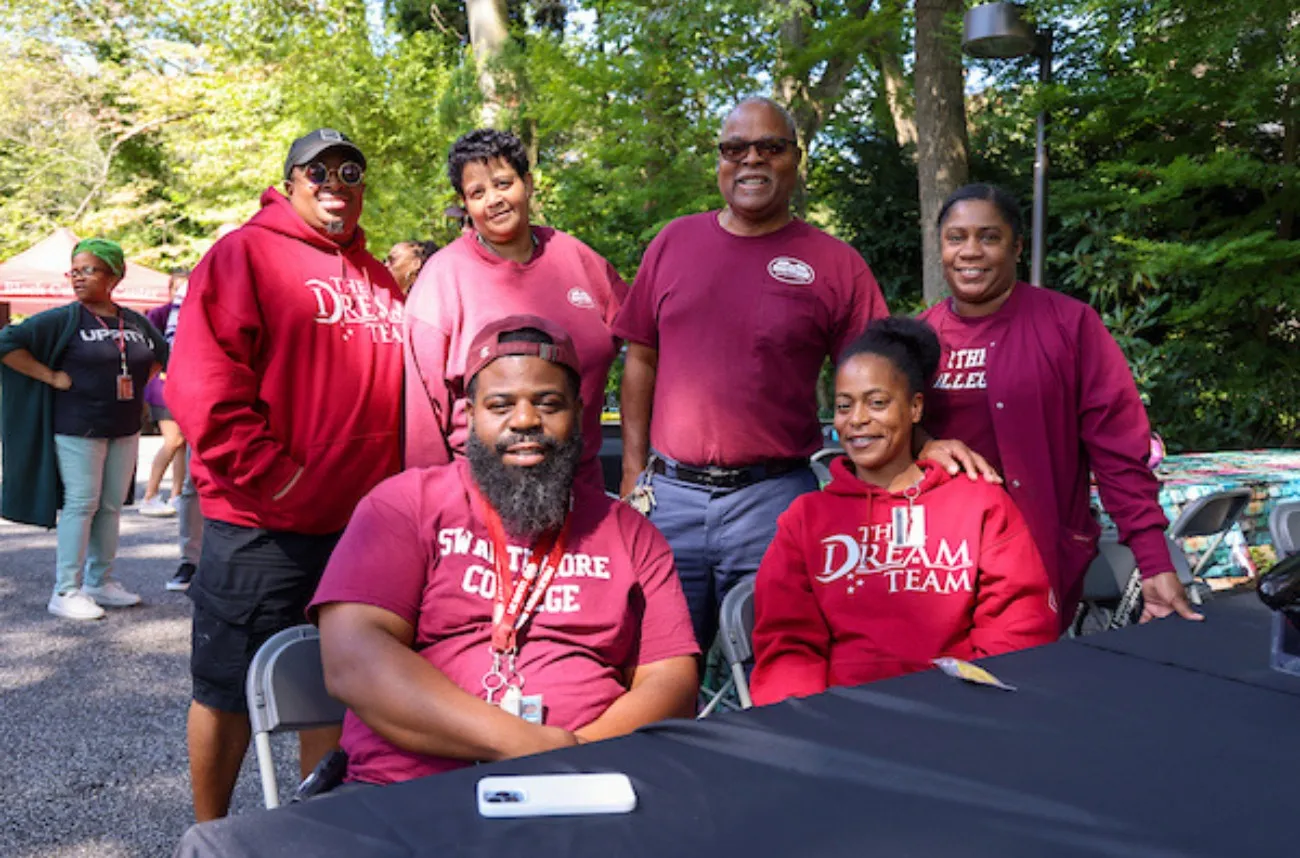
<point>349,173</point>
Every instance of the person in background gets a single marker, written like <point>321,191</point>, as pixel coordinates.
<point>1032,381</point>
<point>505,266</point>
<point>74,379</point>
<point>406,258</point>
<point>287,384</point>
<point>595,641</point>
<point>896,562</point>
<point>172,451</point>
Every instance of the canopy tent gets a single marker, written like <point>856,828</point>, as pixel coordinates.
<point>34,279</point>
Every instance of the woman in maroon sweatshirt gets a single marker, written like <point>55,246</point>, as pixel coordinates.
<point>896,562</point>
<point>1032,381</point>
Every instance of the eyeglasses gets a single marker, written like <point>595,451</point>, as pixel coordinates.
<point>84,271</point>
<point>768,147</point>
<point>349,173</point>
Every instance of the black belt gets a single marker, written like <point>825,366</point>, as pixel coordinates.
<point>726,478</point>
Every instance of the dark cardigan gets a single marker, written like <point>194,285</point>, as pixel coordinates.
<point>31,491</point>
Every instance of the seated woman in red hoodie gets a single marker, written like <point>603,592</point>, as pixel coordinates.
<point>895,562</point>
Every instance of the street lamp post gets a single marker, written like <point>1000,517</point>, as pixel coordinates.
<point>996,31</point>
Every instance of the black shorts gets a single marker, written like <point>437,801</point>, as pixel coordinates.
<point>159,413</point>
<point>250,584</point>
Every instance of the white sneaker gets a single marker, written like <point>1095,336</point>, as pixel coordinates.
<point>156,507</point>
<point>74,605</point>
<point>111,595</point>
<point>174,502</point>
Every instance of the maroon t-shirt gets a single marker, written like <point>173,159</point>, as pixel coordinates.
<point>742,326</point>
<point>957,404</point>
<point>416,547</point>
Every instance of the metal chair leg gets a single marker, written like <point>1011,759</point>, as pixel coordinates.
<point>717,698</point>
<point>266,768</point>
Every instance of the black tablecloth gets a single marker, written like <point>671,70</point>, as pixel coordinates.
<point>1160,740</point>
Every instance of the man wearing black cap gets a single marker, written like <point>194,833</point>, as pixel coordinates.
<point>287,383</point>
<point>591,637</point>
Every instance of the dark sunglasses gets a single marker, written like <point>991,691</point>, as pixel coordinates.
<point>350,173</point>
<point>85,271</point>
<point>768,147</point>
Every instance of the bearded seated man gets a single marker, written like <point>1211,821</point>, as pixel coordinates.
<point>591,637</point>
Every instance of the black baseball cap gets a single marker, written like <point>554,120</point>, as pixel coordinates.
<point>307,147</point>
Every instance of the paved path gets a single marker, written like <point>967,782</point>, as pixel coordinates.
<point>92,714</point>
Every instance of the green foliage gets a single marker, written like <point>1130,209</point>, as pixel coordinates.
<point>1175,196</point>
<point>626,121</point>
<point>869,186</point>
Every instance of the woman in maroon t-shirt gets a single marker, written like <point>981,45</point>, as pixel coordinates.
<point>1032,380</point>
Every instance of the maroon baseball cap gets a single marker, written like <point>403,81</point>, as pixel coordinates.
<point>487,345</point>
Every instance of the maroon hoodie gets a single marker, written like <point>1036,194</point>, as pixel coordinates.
<point>287,378</point>
<point>839,601</point>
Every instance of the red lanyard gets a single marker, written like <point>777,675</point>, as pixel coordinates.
<point>514,605</point>
<point>121,336</point>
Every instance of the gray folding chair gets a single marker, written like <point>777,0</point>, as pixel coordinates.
<point>1113,583</point>
<point>1284,527</point>
<point>1210,516</point>
<point>735,629</point>
<point>286,693</point>
<point>821,462</point>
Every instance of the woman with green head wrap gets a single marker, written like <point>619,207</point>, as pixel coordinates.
<point>74,380</point>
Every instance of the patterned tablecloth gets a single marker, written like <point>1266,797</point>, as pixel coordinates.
<point>1272,476</point>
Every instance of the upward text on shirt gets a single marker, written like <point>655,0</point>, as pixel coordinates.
<point>97,336</point>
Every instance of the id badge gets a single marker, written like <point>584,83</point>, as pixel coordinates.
<point>125,388</point>
<point>530,708</point>
<point>909,527</point>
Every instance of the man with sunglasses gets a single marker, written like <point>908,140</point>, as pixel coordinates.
<point>287,382</point>
<point>731,317</point>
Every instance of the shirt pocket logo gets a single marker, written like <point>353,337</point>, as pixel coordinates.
<point>581,299</point>
<point>793,271</point>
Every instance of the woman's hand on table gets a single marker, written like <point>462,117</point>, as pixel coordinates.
<point>1163,595</point>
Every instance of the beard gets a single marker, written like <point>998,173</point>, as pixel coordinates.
<point>532,500</point>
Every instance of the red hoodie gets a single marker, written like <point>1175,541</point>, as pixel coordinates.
<point>837,602</point>
<point>288,379</point>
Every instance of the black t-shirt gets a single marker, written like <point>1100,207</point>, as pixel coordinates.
<point>93,361</point>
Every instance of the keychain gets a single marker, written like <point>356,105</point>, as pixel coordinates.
<point>642,496</point>
<point>494,680</point>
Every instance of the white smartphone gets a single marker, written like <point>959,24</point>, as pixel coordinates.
<point>554,795</point>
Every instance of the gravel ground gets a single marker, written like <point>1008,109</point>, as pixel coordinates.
<point>92,714</point>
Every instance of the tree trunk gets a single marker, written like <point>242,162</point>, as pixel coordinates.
<point>900,106</point>
<point>941,149</point>
<point>793,93</point>
<point>488,31</point>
